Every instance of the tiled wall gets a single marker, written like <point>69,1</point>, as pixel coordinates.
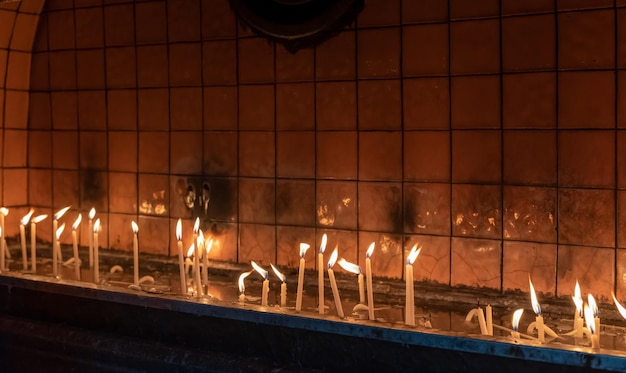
<point>491,132</point>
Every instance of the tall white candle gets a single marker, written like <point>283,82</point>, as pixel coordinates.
<point>596,315</point>
<point>92,214</point>
<point>517,315</point>
<point>537,308</point>
<point>266,283</point>
<point>181,265</point>
<point>283,286</point>
<point>77,262</point>
<point>196,259</point>
<point>205,262</point>
<point>2,249</point>
<point>578,316</point>
<point>368,273</point>
<point>242,286</point>
<point>591,326</point>
<point>303,248</point>
<point>56,249</point>
<point>55,225</point>
<point>353,268</point>
<point>333,282</point>
<point>3,243</point>
<point>409,309</point>
<point>320,275</point>
<point>96,260</point>
<point>23,223</point>
<point>135,228</point>
<point>33,241</point>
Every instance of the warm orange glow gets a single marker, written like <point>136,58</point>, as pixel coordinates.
<point>179,230</point>
<point>135,227</point>
<point>350,267</point>
<point>92,213</point>
<point>60,231</point>
<point>208,246</point>
<point>592,304</point>
<point>39,218</point>
<point>4,211</point>
<point>281,276</point>
<point>59,214</point>
<point>413,255</point>
<point>323,245</point>
<point>578,300</point>
<point>96,226</point>
<point>191,250</point>
<point>77,222</point>
<point>333,258</point>
<point>303,248</point>
<point>533,298</point>
<point>200,243</point>
<point>242,286</point>
<point>26,217</point>
<point>620,308</point>
<point>259,270</point>
<point>370,250</point>
<point>591,323</point>
<point>517,315</point>
<point>196,226</point>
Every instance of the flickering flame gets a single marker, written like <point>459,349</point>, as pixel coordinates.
<point>260,270</point>
<point>533,299</point>
<point>179,230</point>
<point>517,315</point>
<point>333,258</point>
<point>242,286</point>
<point>323,245</point>
<point>200,243</point>
<point>96,226</point>
<point>591,323</point>
<point>350,267</point>
<point>620,308</point>
<point>281,276</point>
<point>370,250</point>
<point>59,214</point>
<point>59,231</point>
<point>413,254</point>
<point>39,218</point>
<point>592,304</point>
<point>4,211</point>
<point>578,300</point>
<point>77,222</point>
<point>208,246</point>
<point>135,227</point>
<point>92,213</point>
<point>196,226</point>
<point>191,250</point>
<point>303,248</point>
<point>26,217</point>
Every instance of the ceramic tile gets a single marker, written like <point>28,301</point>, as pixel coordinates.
<point>529,100</point>
<point>380,207</point>
<point>255,60</point>
<point>256,154</point>
<point>90,69</point>
<point>460,9</point>
<point>121,67</point>
<point>93,149</point>
<point>39,149</point>
<point>89,28</point>
<point>530,157</point>
<point>256,107</point>
<point>424,11</point>
<point>219,62</point>
<point>119,226</point>
<point>39,73</point>
<point>93,189</point>
<point>25,30</point>
<point>586,39</point>
<point>288,249</point>
<point>426,103</point>
<point>39,116</point>
<point>15,187</point>
<point>150,22</point>
<point>223,206</point>
<point>178,206</point>
<point>621,159</point>
<point>577,108</point>
<point>344,241</point>
<point>295,106</point>
<point>293,67</point>
<point>295,202</point>
<point>379,13</point>
<point>65,149</point>
<point>123,151</point>
<point>336,204</point>
<point>427,208</point>
<point>186,152</point>
<point>15,148</point>
<point>336,105</point>
<point>476,263</point>
<point>526,6</point>
<point>220,153</point>
<point>529,43</point>
<point>427,156</point>
<point>18,70</point>
<point>122,109</point>
<point>186,108</point>
<point>587,158</point>
<point>380,155</point>
<point>527,259</point>
<point>153,151</point>
<point>153,109</point>
<point>152,66</point>
<point>220,108</point>
<point>39,187</point>
<point>224,238</point>
<point>185,64</point>
<point>92,110</point>
<point>218,20</point>
<point>153,236</point>
<point>378,52</point>
<point>258,243</point>
<point>124,200</point>
<point>530,214</point>
<point>379,105</point>
<point>387,256</point>
<point>183,20</point>
<point>295,154</point>
<point>476,156</point>
<point>476,211</point>
<point>119,27</point>
<point>152,194</point>
<point>336,155</point>
<point>586,217</point>
<point>433,262</point>
<point>620,275</point>
<point>16,109</point>
<point>334,59</point>
<point>593,267</point>
<point>474,47</point>
<point>425,50</point>
<point>257,200</point>
<point>476,102</point>
<point>62,70</point>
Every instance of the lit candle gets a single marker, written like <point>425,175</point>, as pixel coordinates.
<point>92,214</point>
<point>242,287</point>
<point>205,262</point>
<point>517,315</point>
<point>75,246</point>
<point>135,228</point>
<point>2,249</point>
<point>320,275</point>
<point>56,248</point>
<point>181,265</point>
<point>368,274</point>
<point>266,282</point>
<point>489,315</point>
<point>55,224</point>
<point>189,261</point>
<point>537,308</point>
<point>283,286</point>
<point>409,308</point>
<point>303,248</point>
<point>620,308</point>
<point>33,241</point>
<point>353,268</point>
<point>196,259</point>
<point>578,316</point>
<point>23,223</point>
<point>596,315</point>
<point>96,261</point>
<point>591,326</point>
<point>333,282</point>
<point>3,244</point>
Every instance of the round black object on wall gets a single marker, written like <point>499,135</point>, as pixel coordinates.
<point>297,23</point>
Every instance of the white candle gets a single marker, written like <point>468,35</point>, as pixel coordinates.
<point>2,249</point>
<point>489,314</point>
<point>303,248</point>
<point>266,282</point>
<point>33,241</point>
<point>23,223</point>
<point>189,261</point>
<point>75,246</point>
<point>181,265</point>
<point>96,260</point>
<point>196,259</point>
<point>3,243</point>
<point>56,249</point>
<point>92,214</point>
<point>320,275</point>
<point>517,315</point>
<point>333,282</point>
<point>283,286</point>
<point>596,315</point>
<point>409,308</point>
<point>55,225</point>
<point>537,308</point>
<point>578,316</point>
<point>242,287</point>
<point>478,312</point>
<point>135,228</point>
<point>368,273</point>
<point>353,268</point>
<point>591,326</point>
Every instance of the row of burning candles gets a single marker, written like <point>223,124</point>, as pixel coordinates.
<point>586,313</point>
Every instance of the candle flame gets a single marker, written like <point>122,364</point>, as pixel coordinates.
<point>39,218</point>
<point>281,276</point>
<point>303,248</point>
<point>578,300</point>
<point>59,231</point>
<point>179,230</point>
<point>191,250</point>
<point>413,255</point>
<point>333,258</point>
<point>96,226</point>
<point>260,270</point>
<point>92,213</point>
<point>26,217</point>
<point>620,308</point>
<point>59,214</point>
<point>350,267</point>
<point>517,315</point>
<point>4,211</point>
<point>533,299</point>
<point>242,286</point>
<point>208,247</point>
<point>200,243</point>
<point>135,227</point>
<point>323,245</point>
<point>592,304</point>
<point>77,222</point>
<point>196,226</point>
<point>370,250</point>
<point>591,323</point>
